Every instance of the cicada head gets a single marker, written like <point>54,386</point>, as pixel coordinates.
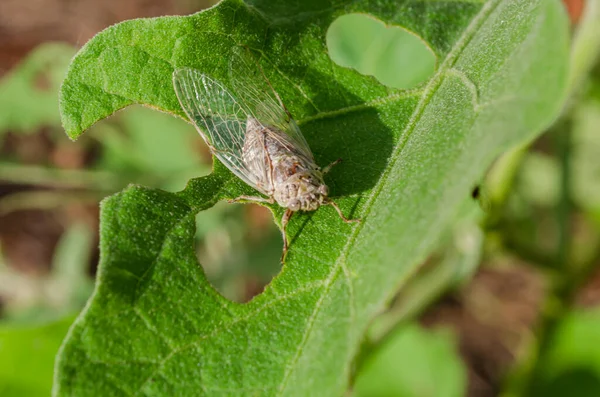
<point>303,192</point>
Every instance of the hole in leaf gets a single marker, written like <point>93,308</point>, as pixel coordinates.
<point>239,247</point>
<point>395,56</point>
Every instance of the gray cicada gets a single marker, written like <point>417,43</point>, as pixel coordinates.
<point>254,135</point>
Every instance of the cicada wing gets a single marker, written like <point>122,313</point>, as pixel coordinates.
<point>254,89</point>
<point>219,118</point>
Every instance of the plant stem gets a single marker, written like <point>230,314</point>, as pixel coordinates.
<point>44,200</point>
<point>585,49</point>
<point>586,45</point>
<point>431,281</point>
<point>563,216</point>
<point>563,287</point>
<point>52,177</point>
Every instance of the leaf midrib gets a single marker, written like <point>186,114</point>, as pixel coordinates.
<point>428,92</point>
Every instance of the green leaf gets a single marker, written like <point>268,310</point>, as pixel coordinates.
<point>28,94</point>
<point>153,144</point>
<point>28,357</point>
<point>586,144</point>
<point>573,361</point>
<point>155,326</point>
<point>70,266</point>
<point>413,362</point>
<point>459,260</point>
<point>539,181</point>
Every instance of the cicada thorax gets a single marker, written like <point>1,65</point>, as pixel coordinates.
<point>281,170</point>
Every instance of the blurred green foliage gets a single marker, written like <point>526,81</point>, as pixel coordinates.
<point>27,364</point>
<point>413,362</point>
<point>586,152</point>
<point>571,366</point>
<point>61,292</point>
<point>28,94</point>
<point>150,148</point>
<point>366,44</point>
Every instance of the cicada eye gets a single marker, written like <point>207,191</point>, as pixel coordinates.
<point>294,205</point>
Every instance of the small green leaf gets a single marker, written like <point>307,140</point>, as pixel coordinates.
<point>413,362</point>
<point>539,181</point>
<point>459,259</point>
<point>70,280</point>
<point>155,326</point>
<point>27,353</point>
<point>585,146</point>
<point>573,361</point>
<point>28,93</point>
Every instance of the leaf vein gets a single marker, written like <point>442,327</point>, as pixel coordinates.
<point>427,93</point>
<point>365,105</point>
<point>469,84</point>
<point>151,327</point>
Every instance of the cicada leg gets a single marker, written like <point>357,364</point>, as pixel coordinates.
<point>330,166</point>
<point>256,199</point>
<point>284,221</point>
<point>339,211</point>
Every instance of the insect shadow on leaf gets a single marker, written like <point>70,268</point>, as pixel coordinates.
<point>252,133</point>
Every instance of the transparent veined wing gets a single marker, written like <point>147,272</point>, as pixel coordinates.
<point>219,118</point>
<point>254,90</point>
